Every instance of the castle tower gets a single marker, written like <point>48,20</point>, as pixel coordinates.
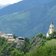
<point>51,29</point>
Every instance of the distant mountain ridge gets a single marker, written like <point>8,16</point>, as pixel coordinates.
<point>28,17</point>
<point>21,6</point>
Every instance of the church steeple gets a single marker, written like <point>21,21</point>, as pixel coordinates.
<point>51,29</point>
<point>52,21</point>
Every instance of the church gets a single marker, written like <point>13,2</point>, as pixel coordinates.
<point>51,30</point>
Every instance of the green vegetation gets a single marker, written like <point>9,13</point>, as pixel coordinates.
<point>49,49</point>
<point>7,49</point>
<point>37,46</point>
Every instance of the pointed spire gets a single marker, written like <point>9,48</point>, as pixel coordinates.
<point>51,20</point>
<point>52,24</point>
<point>51,28</point>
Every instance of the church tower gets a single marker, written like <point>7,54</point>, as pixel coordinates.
<point>51,29</point>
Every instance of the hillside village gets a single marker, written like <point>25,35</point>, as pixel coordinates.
<point>28,46</point>
<point>25,45</point>
<point>10,37</point>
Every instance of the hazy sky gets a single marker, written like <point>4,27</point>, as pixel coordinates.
<point>7,2</point>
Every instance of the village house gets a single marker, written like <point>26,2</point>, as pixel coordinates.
<point>8,37</point>
<point>20,42</point>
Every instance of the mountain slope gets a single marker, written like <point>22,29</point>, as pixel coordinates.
<point>28,17</point>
